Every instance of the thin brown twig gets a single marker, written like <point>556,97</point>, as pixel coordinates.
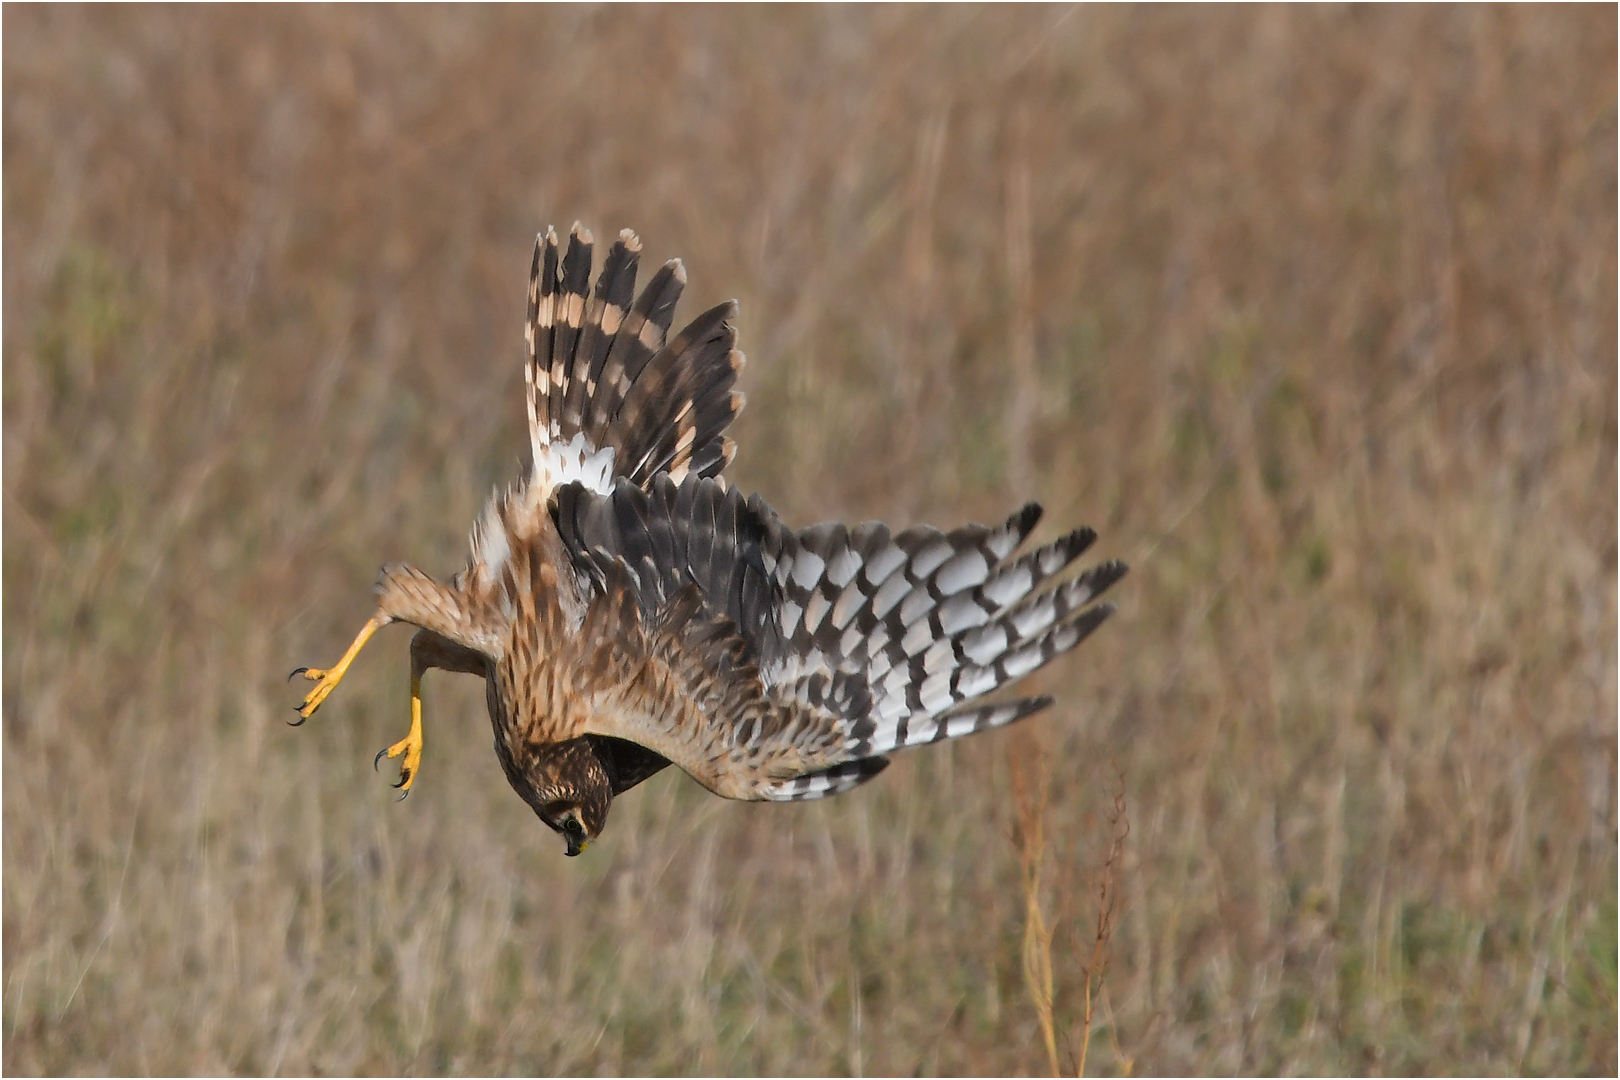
<point>1096,966</point>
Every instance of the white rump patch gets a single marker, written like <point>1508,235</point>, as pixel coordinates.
<point>557,463</point>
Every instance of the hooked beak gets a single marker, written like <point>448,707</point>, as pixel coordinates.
<point>576,844</point>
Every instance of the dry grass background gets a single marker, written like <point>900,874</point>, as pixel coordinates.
<point>1311,312</point>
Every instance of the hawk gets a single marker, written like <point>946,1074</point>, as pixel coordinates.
<point>628,609</point>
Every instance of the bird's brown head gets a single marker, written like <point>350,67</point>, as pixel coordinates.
<point>571,791</point>
<point>579,821</point>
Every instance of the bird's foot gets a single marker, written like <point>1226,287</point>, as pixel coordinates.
<point>325,682</point>
<point>326,679</point>
<point>411,747</point>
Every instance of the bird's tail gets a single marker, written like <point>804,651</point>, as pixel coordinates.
<point>608,396</point>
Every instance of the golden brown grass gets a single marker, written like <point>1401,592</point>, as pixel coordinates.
<point>1311,312</point>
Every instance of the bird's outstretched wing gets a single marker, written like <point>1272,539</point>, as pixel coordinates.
<point>804,657</point>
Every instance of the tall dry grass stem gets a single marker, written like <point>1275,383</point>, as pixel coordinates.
<point>1094,967</point>
<point>1027,768</point>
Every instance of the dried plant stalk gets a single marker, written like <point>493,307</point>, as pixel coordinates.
<point>1026,759</point>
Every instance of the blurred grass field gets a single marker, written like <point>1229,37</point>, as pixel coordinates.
<point>1310,312</point>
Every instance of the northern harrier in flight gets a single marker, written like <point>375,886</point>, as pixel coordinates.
<point>628,609</point>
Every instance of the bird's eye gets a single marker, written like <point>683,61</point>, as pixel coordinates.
<point>572,826</point>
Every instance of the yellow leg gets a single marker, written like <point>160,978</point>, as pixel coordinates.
<point>326,680</point>
<point>411,744</point>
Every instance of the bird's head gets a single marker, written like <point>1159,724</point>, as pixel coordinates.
<point>578,822</point>
<point>570,790</point>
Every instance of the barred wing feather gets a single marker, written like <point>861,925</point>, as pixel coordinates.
<point>857,641</point>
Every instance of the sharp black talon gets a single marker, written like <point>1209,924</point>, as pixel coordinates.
<point>296,672</point>
<point>402,795</point>
<point>301,717</point>
<point>403,777</point>
<point>378,759</point>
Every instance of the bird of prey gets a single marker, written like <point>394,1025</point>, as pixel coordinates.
<point>628,609</point>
